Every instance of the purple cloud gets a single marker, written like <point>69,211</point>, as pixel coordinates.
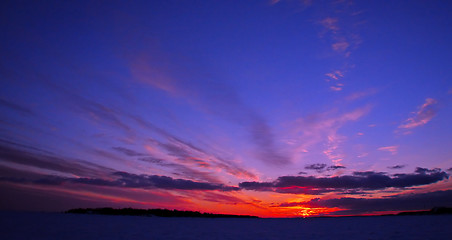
<point>425,113</point>
<point>359,180</point>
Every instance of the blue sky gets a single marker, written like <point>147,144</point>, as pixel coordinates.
<point>224,93</point>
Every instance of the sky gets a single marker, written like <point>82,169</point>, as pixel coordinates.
<point>269,108</point>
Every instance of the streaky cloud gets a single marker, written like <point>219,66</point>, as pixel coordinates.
<point>424,115</point>
<point>129,152</point>
<point>127,180</point>
<point>48,161</point>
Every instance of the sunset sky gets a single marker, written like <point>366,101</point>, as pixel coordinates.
<point>268,108</point>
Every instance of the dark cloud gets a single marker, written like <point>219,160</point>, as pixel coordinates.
<point>129,152</point>
<point>332,168</point>
<point>164,182</point>
<point>302,173</point>
<point>127,180</point>
<point>359,181</point>
<point>449,170</point>
<point>317,166</point>
<point>397,167</point>
<point>321,167</point>
<point>403,202</point>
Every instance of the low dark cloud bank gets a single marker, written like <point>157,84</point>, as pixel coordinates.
<point>369,180</point>
<point>127,180</point>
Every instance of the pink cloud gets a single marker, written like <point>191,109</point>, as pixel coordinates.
<point>316,129</point>
<point>362,94</point>
<point>335,75</point>
<point>336,88</point>
<point>340,46</point>
<point>392,149</point>
<point>330,24</point>
<point>425,113</point>
<point>145,72</point>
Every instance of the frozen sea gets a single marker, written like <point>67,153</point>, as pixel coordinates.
<point>73,226</point>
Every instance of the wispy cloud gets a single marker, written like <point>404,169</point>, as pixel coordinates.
<point>340,46</point>
<point>421,117</point>
<point>213,96</point>
<point>361,94</point>
<point>392,149</point>
<point>129,152</point>
<point>335,75</point>
<point>330,24</point>
<point>45,161</point>
<point>334,78</point>
<point>318,128</point>
<point>338,30</point>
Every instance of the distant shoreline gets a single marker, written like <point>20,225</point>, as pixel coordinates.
<point>152,213</point>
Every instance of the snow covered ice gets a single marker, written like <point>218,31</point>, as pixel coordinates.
<point>73,226</point>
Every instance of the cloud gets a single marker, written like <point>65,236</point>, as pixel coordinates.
<point>129,152</point>
<point>211,95</point>
<point>424,115</point>
<point>127,180</point>
<point>362,94</point>
<point>181,169</point>
<point>164,182</point>
<point>330,24</point>
<point>335,75</point>
<point>183,155</point>
<point>336,88</point>
<point>321,167</point>
<point>397,167</point>
<point>317,128</point>
<point>369,180</point>
<point>392,149</point>
<point>188,154</point>
<point>340,46</point>
<point>403,202</point>
<point>317,166</point>
<point>47,161</point>
<point>332,168</point>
